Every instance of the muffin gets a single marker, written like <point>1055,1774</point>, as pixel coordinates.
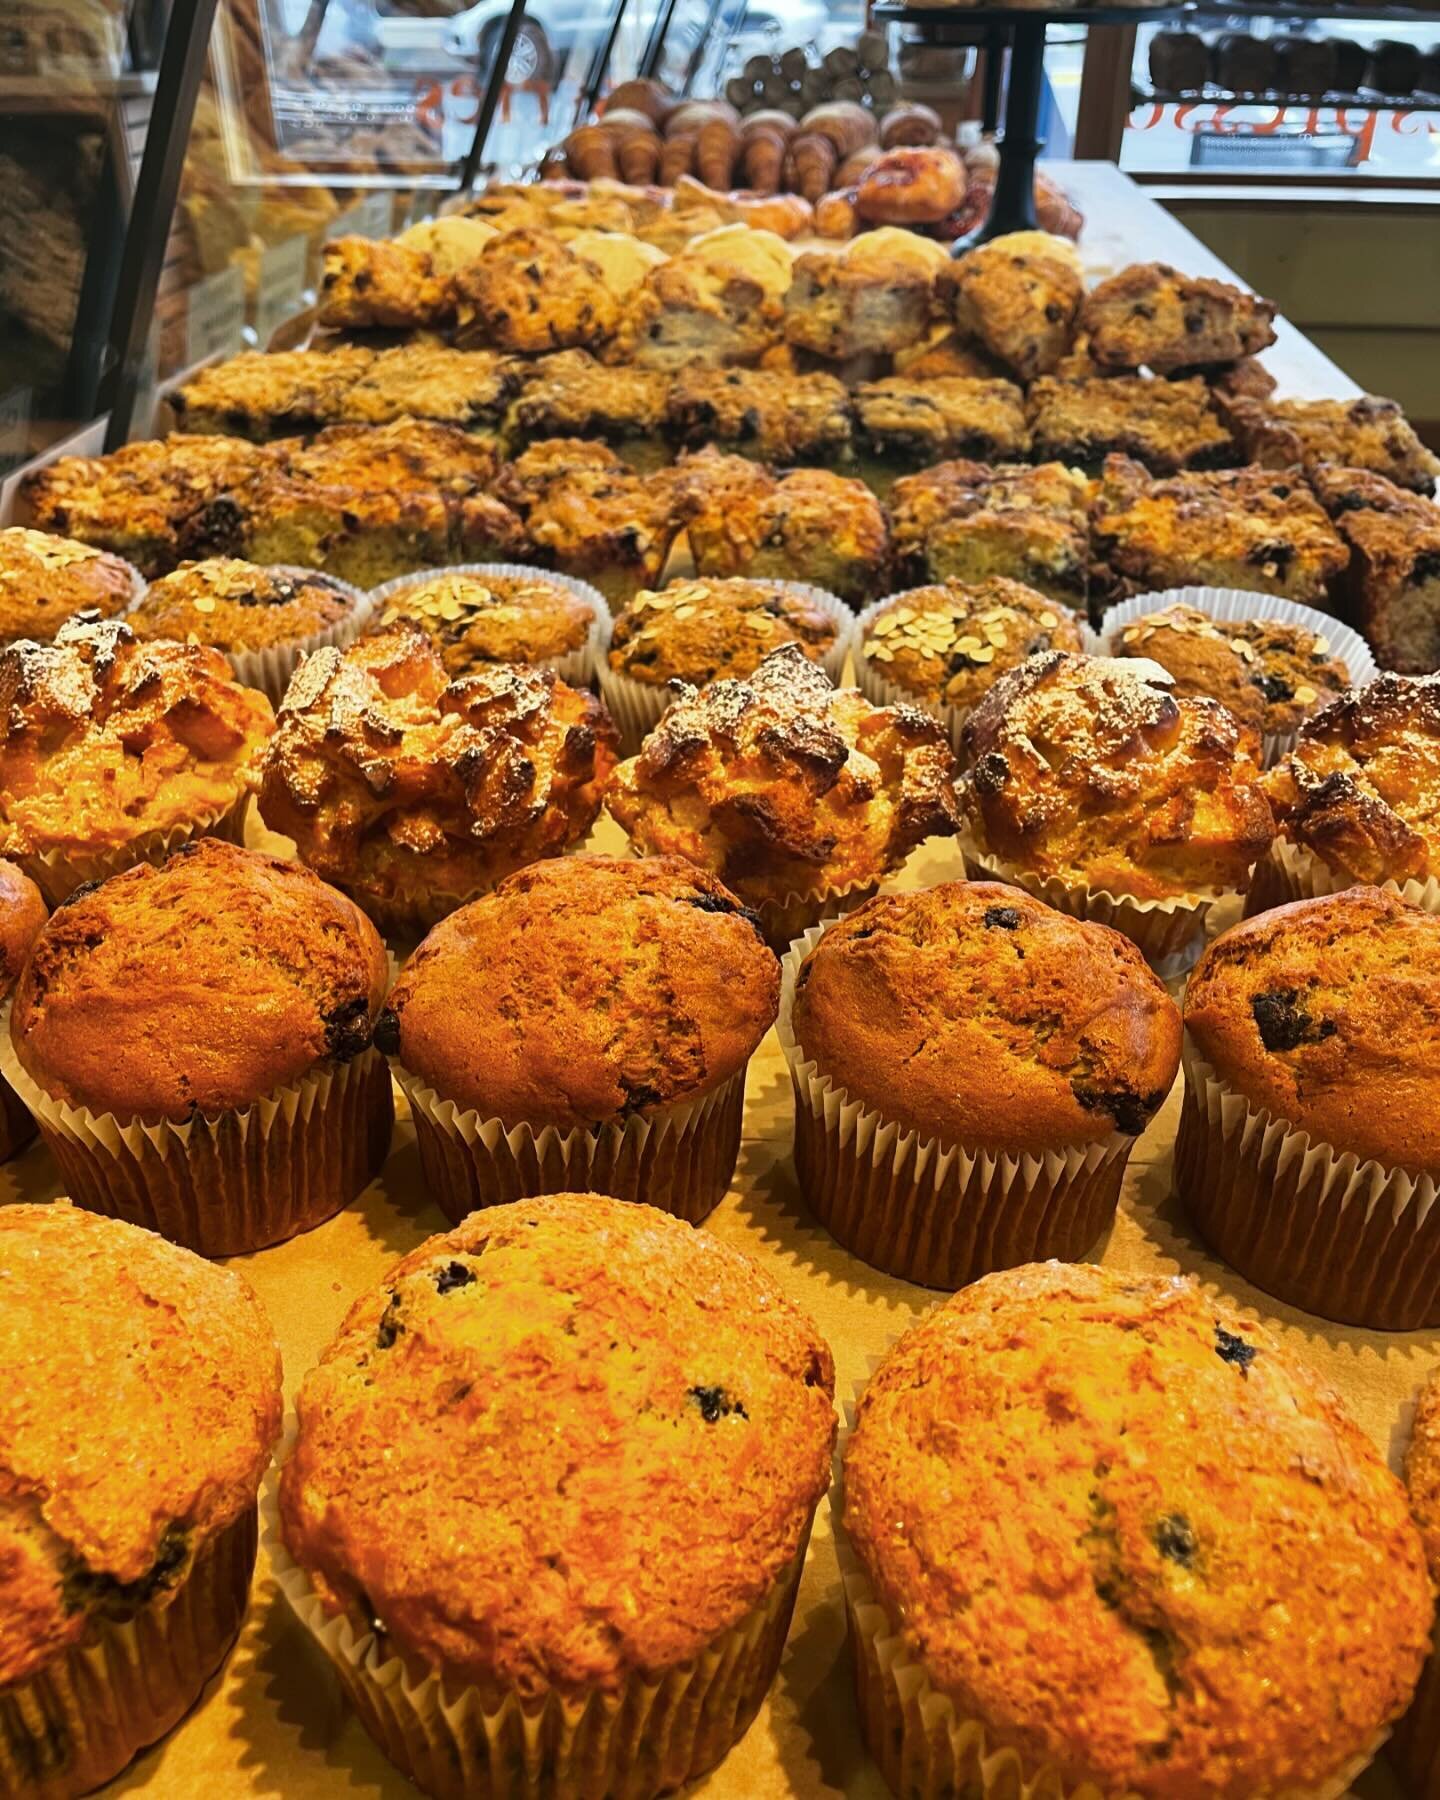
<point>942,647</point>
<point>1414,1749</point>
<point>116,751</point>
<point>127,1529</point>
<point>708,630</point>
<point>45,580</point>
<point>412,792</point>
<point>263,620</point>
<point>561,1466</point>
<point>1095,786</point>
<point>194,1041</point>
<point>1180,1567</point>
<point>1309,1148</point>
<point>589,1022</point>
<point>801,797</point>
<point>500,612</point>
<point>22,917</point>
<point>971,1071</point>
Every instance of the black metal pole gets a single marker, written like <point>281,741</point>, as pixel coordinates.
<point>90,336</point>
<point>599,64</point>
<point>182,65</point>
<point>655,48</point>
<point>1013,206</point>
<point>697,55</point>
<point>996,39</point>
<point>486,116</point>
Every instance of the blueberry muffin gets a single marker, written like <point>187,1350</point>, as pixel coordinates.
<point>566,1456</point>
<point>22,917</point>
<point>46,580</point>
<point>611,1003</point>
<point>976,1019</point>
<point>127,1530</point>
<point>498,615</point>
<point>1321,1016</point>
<point>1146,1472</point>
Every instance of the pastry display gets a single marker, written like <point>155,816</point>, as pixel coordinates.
<point>1359,434</point>
<point>914,423</point>
<point>775,417</point>
<point>499,614</point>
<point>1391,585</point>
<point>1020,296</point>
<point>1166,425</point>
<point>45,580</point>
<point>1151,316</point>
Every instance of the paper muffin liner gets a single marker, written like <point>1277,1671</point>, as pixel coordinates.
<point>1293,871</point>
<point>270,669</point>
<point>939,1215</point>
<point>649,1737</point>
<point>679,1158</point>
<point>231,1184</point>
<point>58,873</point>
<point>1414,1751</point>
<point>637,706</point>
<point>1235,604</point>
<point>89,1710</point>
<point>576,667</point>
<point>1344,1237</point>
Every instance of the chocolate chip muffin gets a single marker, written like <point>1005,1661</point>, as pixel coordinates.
<point>601,1011</point>
<point>564,1459</point>
<point>1414,1748</point>
<point>45,580</point>
<point>116,751</point>
<point>1096,786</point>
<point>166,1022</point>
<point>127,1529</point>
<point>1321,1016</point>
<point>500,613</point>
<point>973,1019</point>
<point>946,645</point>
<point>1145,1473</point>
<point>22,917</point>
<point>412,792</point>
<point>799,796</point>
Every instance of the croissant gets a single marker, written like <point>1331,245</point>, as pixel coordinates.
<point>810,161</point>
<point>835,214</point>
<point>762,159</point>
<point>768,118</point>
<point>690,115</point>
<point>715,151</point>
<point>638,153</point>
<point>643,96</point>
<point>855,165</point>
<point>677,157</point>
<point>617,120</point>
<point>590,151</point>
<point>910,124</point>
<point>848,125</point>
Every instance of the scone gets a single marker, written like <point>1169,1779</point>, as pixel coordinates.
<point>1358,434</point>
<point>45,580</point>
<point>528,292</point>
<point>719,302</point>
<point>369,282</point>
<point>1392,584</point>
<point>263,395</point>
<point>1150,316</point>
<point>1166,425</point>
<point>799,796</point>
<point>775,417</point>
<point>875,296</point>
<point>411,792</point>
<point>571,395</point>
<point>1020,296</point>
<point>499,614</point>
<point>905,421</point>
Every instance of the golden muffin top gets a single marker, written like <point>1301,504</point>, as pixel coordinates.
<point>45,579</point>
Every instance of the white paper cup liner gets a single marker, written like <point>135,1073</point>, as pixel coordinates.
<point>1237,605</point>
<point>638,706</point>
<point>649,1737</point>
<point>90,1709</point>
<point>231,1184</point>
<point>577,667</point>
<point>679,1158</point>
<point>1292,871</point>
<point>270,669</point>
<point>58,873</point>
<point>1338,1235</point>
<point>932,1213</point>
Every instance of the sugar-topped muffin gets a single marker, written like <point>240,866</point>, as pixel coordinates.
<point>413,792</point>
<point>238,606</point>
<point>129,1525</point>
<point>565,1453</point>
<point>45,580</point>
<point>703,630</point>
<point>1146,1474</point>
<point>472,618</point>
<point>113,749</point>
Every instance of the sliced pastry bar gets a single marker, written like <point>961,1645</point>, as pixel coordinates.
<point>1167,425</point>
<point>570,395</point>
<point>259,395</point>
<point>1365,433</point>
<point>468,389</point>
<point>905,423</point>
<point>765,413</point>
<point>1393,582</point>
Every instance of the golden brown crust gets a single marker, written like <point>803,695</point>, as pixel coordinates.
<point>1312,1010</point>
<point>948,644</point>
<point>572,1439</point>
<point>235,605</point>
<point>262,394</point>
<point>46,579</point>
<point>584,990</point>
<point>874,296</point>
<point>1422,1472</point>
<point>1167,425</point>
<point>1020,296</point>
<point>22,918</point>
<point>783,784</point>
<point>1151,316</point>
<point>375,282</point>
<point>468,389</point>
<point>777,417</point>
<point>1146,1474</point>
<point>569,394</point>
<point>1090,769</point>
<point>406,789</point>
<point>1366,433</point>
<point>701,630</point>
<point>473,619</point>
<point>948,416</point>
<point>976,1015</point>
<point>718,302</point>
<point>1392,585</point>
<point>528,292</point>
<point>103,1508</point>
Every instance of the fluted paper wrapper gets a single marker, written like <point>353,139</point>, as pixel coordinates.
<point>270,669</point>
<point>231,1184</point>
<point>1414,1751</point>
<point>1293,871</point>
<point>651,1736</point>
<point>1340,1236</point>
<point>679,1158</point>
<point>638,706</point>
<point>940,1216</point>
<point>58,873</point>
<point>91,1709</point>
<point>1235,605</point>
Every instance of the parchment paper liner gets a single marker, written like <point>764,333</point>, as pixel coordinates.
<point>1236,605</point>
<point>941,1216</point>
<point>58,873</point>
<point>679,1157</point>
<point>1342,1237</point>
<point>227,1185</point>
<point>576,667</point>
<point>1293,871</point>
<point>270,669</point>
<point>637,706</point>
<point>470,1743</point>
<point>92,1708</point>
<point>1414,1751</point>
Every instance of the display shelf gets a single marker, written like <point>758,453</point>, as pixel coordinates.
<point>1360,100</point>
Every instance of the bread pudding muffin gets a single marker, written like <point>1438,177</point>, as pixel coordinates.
<point>589,1022</point>
<point>718,302</point>
<point>22,917</point>
<point>971,1071</point>
<point>116,751</point>
<point>1146,1472</point>
<point>1318,1182</point>
<point>194,1041</point>
<point>1094,785</point>
<point>412,792</point>
<point>500,612</point>
<point>45,580</point>
<point>128,1529</point>
<point>801,797</point>
<point>1414,1748</point>
<point>870,297</point>
<point>562,1463</point>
